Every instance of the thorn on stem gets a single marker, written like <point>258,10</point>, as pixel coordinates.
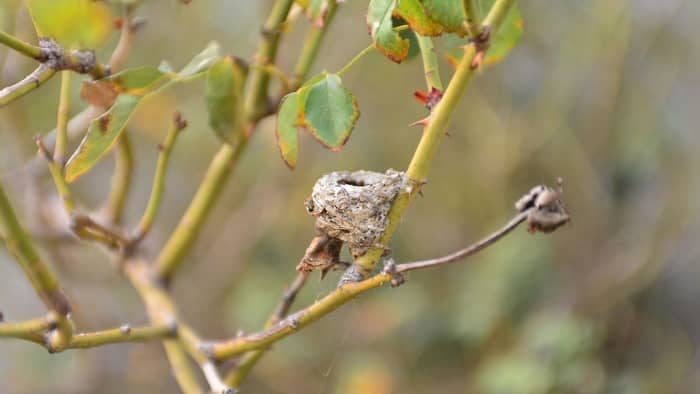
<point>43,150</point>
<point>180,122</point>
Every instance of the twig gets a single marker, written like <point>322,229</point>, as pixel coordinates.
<point>469,250</point>
<point>59,154</point>
<point>120,335</point>
<point>59,180</point>
<point>192,344</point>
<point>20,46</point>
<point>153,205</point>
<point>312,43</point>
<point>256,98</point>
<point>430,63</point>
<point>21,247</point>
<point>121,180</point>
<point>471,23</point>
<point>32,81</point>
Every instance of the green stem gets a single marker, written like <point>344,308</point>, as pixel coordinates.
<point>256,99</point>
<point>21,247</point>
<point>472,24</point>
<point>59,154</point>
<point>120,335</point>
<point>30,330</point>
<point>355,59</point>
<point>153,206</point>
<point>312,43</point>
<point>161,310</point>
<point>11,93</point>
<point>186,232</point>
<point>121,180</point>
<point>20,46</point>
<point>430,62</point>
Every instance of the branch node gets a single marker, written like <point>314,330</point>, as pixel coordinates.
<point>397,279</point>
<point>125,329</point>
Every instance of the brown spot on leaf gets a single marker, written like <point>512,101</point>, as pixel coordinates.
<point>104,122</point>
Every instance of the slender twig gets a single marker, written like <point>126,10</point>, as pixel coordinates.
<point>32,81</point>
<point>21,247</point>
<point>472,23</point>
<point>312,43</point>
<point>192,344</point>
<point>30,330</point>
<point>120,52</point>
<point>20,46</point>
<point>256,98</point>
<point>59,154</point>
<point>248,361</point>
<point>121,180</point>
<point>120,335</point>
<point>430,63</point>
<point>186,232</point>
<point>355,59</point>
<point>56,171</point>
<point>161,310</point>
<point>469,250</point>
<point>153,205</point>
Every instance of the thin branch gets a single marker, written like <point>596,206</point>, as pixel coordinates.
<point>161,310</point>
<point>30,330</point>
<point>56,171</point>
<point>256,98</point>
<point>153,205</point>
<point>469,250</point>
<point>20,46</point>
<point>59,154</point>
<point>312,43</point>
<point>32,81</point>
<point>192,344</point>
<point>430,62</point>
<point>21,247</point>
<point>355,59</point>
<point>121,180</point>
<point>121,335</point>
<point>472,23</point>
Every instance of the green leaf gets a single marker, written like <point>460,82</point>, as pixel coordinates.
<point>507,36</point>
<point>413,13</point>
<point>73,23</point>
<point>101,135</point>
<point>223,94</point>
<point>139,81</point>
<point>202,61</point>
<point>287,129</point>
<point>448,13</point>
<point>381,28</point>
<point>330,112</point>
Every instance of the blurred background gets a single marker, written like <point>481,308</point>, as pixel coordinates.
<point>602,93</point>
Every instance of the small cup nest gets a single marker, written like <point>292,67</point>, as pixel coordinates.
<point>353,206</point>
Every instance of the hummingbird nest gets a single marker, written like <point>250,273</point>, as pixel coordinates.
<point>353,206</point>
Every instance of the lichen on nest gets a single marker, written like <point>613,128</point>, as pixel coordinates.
<point>353,206</point>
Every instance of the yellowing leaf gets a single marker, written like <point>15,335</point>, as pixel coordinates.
<point>101,135</point>
<point>386,40</point>
<point>224,97</point>
<point>73,23</point>
<point>286,129</point>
